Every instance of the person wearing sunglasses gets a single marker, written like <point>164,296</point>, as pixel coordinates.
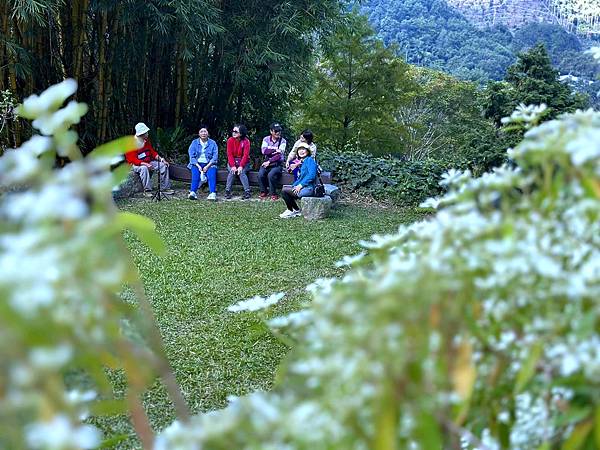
<point>238,160</point>
<point>269,174</point>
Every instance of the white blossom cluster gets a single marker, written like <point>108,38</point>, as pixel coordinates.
<point>486,313</point>
<point>62,261</point>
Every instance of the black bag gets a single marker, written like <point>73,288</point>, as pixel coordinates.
<point>319,186</point>
<point>319,190</point>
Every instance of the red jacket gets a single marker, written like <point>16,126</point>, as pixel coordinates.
<point>138,156</point>
<point>238,152</point>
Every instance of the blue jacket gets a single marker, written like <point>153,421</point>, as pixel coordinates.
<point>212,152</point>
<point>308,173</point>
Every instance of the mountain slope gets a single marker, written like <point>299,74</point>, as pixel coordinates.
<point>432,34</point>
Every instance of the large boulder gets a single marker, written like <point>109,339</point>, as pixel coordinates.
<point>333,191</point>
<point>128,188</point>
<point>314,208</point>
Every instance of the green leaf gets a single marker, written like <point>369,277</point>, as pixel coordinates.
<point>528,368</point>
<point>597,427</point>
<point>387,420</point>
<point>120,173</point>
<point>578,436</point>
<point>108,407</point>
<point>144,228</point>
<point>112,441</point>
<point>428,432</point>
<point>114,148</point>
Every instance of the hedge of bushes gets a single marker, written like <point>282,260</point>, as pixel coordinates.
<point>385,178</point>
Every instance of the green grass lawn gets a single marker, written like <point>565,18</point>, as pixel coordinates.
<point>220,253</point>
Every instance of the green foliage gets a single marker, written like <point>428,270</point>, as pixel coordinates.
<point>359,87</point>
<point>173,143</point>
<point>566,51</point>
<point>203,61</point>
<point>445,122</point>
<point>432,34</point>
<point>385,178</point>
<point>531,81</point>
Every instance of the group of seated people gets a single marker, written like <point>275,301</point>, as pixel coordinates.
<point>203,157</point>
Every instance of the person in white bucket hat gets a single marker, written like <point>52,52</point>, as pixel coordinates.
<point>144,160</point>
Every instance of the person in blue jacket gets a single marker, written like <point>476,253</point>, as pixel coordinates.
<point>203,164</point>
<point>304,186</point>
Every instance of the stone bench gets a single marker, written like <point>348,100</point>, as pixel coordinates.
<point>315,208</point>
<point>180,172</point>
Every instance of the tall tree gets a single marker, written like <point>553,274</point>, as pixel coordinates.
<point>531,80</point>
<point>360,85</point>
<point>167,62</point>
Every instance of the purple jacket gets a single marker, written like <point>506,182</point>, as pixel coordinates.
<point>273,150</point>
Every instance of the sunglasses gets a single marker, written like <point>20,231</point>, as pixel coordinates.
<point>235,131</point>
<point>277,131</point>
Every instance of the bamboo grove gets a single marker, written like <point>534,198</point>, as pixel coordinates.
<point>165,62</point>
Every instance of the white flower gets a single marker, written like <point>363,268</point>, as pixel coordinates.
<point>528,114</point>
<point>431,202</point>
<point>454,176</point>
<point>256,303</point>
<point>50,358</point>
<point>47,101</point>
<point>350,260</point>
<point>61,433</point>
<point>49,124</point>
<point>595,52</point>
<point>295,319</point>
<point>585,147</point>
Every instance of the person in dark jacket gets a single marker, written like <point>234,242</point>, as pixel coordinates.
<point>269,175</point>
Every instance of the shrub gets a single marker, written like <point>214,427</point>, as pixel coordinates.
<point>385,178</point>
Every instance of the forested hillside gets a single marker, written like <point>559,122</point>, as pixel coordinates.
<point>430,33</point>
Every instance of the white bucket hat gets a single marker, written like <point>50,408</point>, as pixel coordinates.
<point>141,128</point>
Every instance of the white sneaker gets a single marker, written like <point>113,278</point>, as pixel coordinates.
<point>212,196</point>
<point>287,213</point>
<point>192,196</point>
<point>296,213</point>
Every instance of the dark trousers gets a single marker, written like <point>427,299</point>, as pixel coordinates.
<point>289,197</point>
<point>269,175</point>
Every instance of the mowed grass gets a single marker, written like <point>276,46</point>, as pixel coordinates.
<point>220,253</point>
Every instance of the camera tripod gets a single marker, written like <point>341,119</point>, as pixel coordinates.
<point>159,194</point>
